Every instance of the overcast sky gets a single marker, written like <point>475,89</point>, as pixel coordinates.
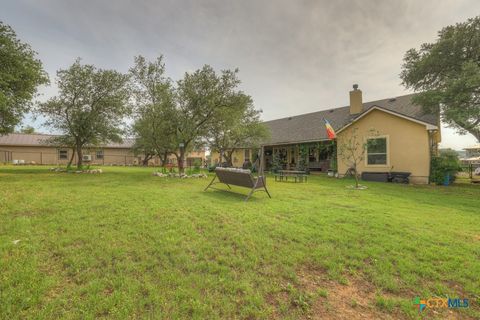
<point>294,56</point>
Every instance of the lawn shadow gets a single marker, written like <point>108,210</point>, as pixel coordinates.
<point>234,195</point>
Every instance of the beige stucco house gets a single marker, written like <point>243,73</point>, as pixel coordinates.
<point>36,149</point>
<point>404,136</point>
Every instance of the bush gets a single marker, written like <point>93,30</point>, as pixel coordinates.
<point>276,163</point>
<point>303,157</point>
<point>212,167</point>
<point>197,163</point>
<point>443,165</point>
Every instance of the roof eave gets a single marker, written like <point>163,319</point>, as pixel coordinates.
<point>427,125</point>
<point>293,142</point>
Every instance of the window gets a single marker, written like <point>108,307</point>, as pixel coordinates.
<point>312,154</point>
<point>63,154</point>
<point>99,154</point>
<point>247,154</point>
<point>324,152</point>
<point>292,155</point>
<point>377,151</point>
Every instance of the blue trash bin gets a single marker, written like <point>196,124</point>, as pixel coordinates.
<point>446,180</point>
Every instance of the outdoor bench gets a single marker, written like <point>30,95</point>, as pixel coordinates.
<point>240,178</point>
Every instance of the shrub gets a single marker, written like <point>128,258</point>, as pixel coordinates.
<point>303,157</point>
<point>443,165</point>
<point>196,165</point>
<point>276,163</point>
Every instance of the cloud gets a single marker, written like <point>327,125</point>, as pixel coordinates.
<point>293,56</point>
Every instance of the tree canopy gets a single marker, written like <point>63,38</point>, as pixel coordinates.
<point>169,117</point>
<point>203,107</point>
<point>20,75</point>
<point>153,129</point>
<point>202,97</point>
<point>237,127</point>
<point>446,74</point>
<point>90,106</point>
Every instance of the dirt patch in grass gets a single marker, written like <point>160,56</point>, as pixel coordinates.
<point>31,213</point>
<point>353,300</point>
<point>277,301</point>
<point>25,214</point>
<point>314,296</point>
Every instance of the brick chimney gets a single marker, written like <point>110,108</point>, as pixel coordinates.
<point>356,104</point>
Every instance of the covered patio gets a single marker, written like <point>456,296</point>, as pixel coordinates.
<point>319,156</point>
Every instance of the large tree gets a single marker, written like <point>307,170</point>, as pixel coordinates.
<point>237,127</point>
<point>20,75</point>
<point>201,97</point>
<point>447,75</point>
<point>154,129</point>
<point>90,106</point>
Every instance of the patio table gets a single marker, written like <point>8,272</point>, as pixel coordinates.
<point>298,175</point>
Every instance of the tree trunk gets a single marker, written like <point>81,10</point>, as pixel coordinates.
<point>228,158</point>
<point>164,159</point>
<point>71,158</point>
<point>221,157</point>
<point>80,157</point>
<point>145,160</point>
<point>180,159</point>
<point>356,176</point>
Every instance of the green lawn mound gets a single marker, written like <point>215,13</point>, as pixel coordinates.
<point>126,244</point>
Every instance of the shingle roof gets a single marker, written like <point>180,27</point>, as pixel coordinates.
<point>39,139</point>
<point>310,126</point>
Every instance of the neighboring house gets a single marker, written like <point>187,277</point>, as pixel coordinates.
<point>472,155</point>
<point>405,138</point>
<point>35,148</point>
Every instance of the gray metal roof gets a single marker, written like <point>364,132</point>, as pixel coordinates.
<point>311,127</point>
<point>39,139</point>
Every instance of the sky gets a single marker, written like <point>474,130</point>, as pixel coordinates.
<point>294,56</point>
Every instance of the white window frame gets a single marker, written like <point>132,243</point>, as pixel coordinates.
<point>387,154</point>
<point>60,151</point>
<point>96,154</point>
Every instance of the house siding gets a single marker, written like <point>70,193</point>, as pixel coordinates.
<point>111,156</point>
<point>238,157</point>
<point>408,145</point>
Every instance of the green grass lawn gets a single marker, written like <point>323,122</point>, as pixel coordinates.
<point>125,244</point>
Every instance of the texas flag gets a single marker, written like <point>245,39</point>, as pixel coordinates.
<point>330,132</point>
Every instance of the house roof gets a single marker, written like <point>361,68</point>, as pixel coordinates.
<point>475,147</point>
<point>40,139</point>
<point>310,126</point>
